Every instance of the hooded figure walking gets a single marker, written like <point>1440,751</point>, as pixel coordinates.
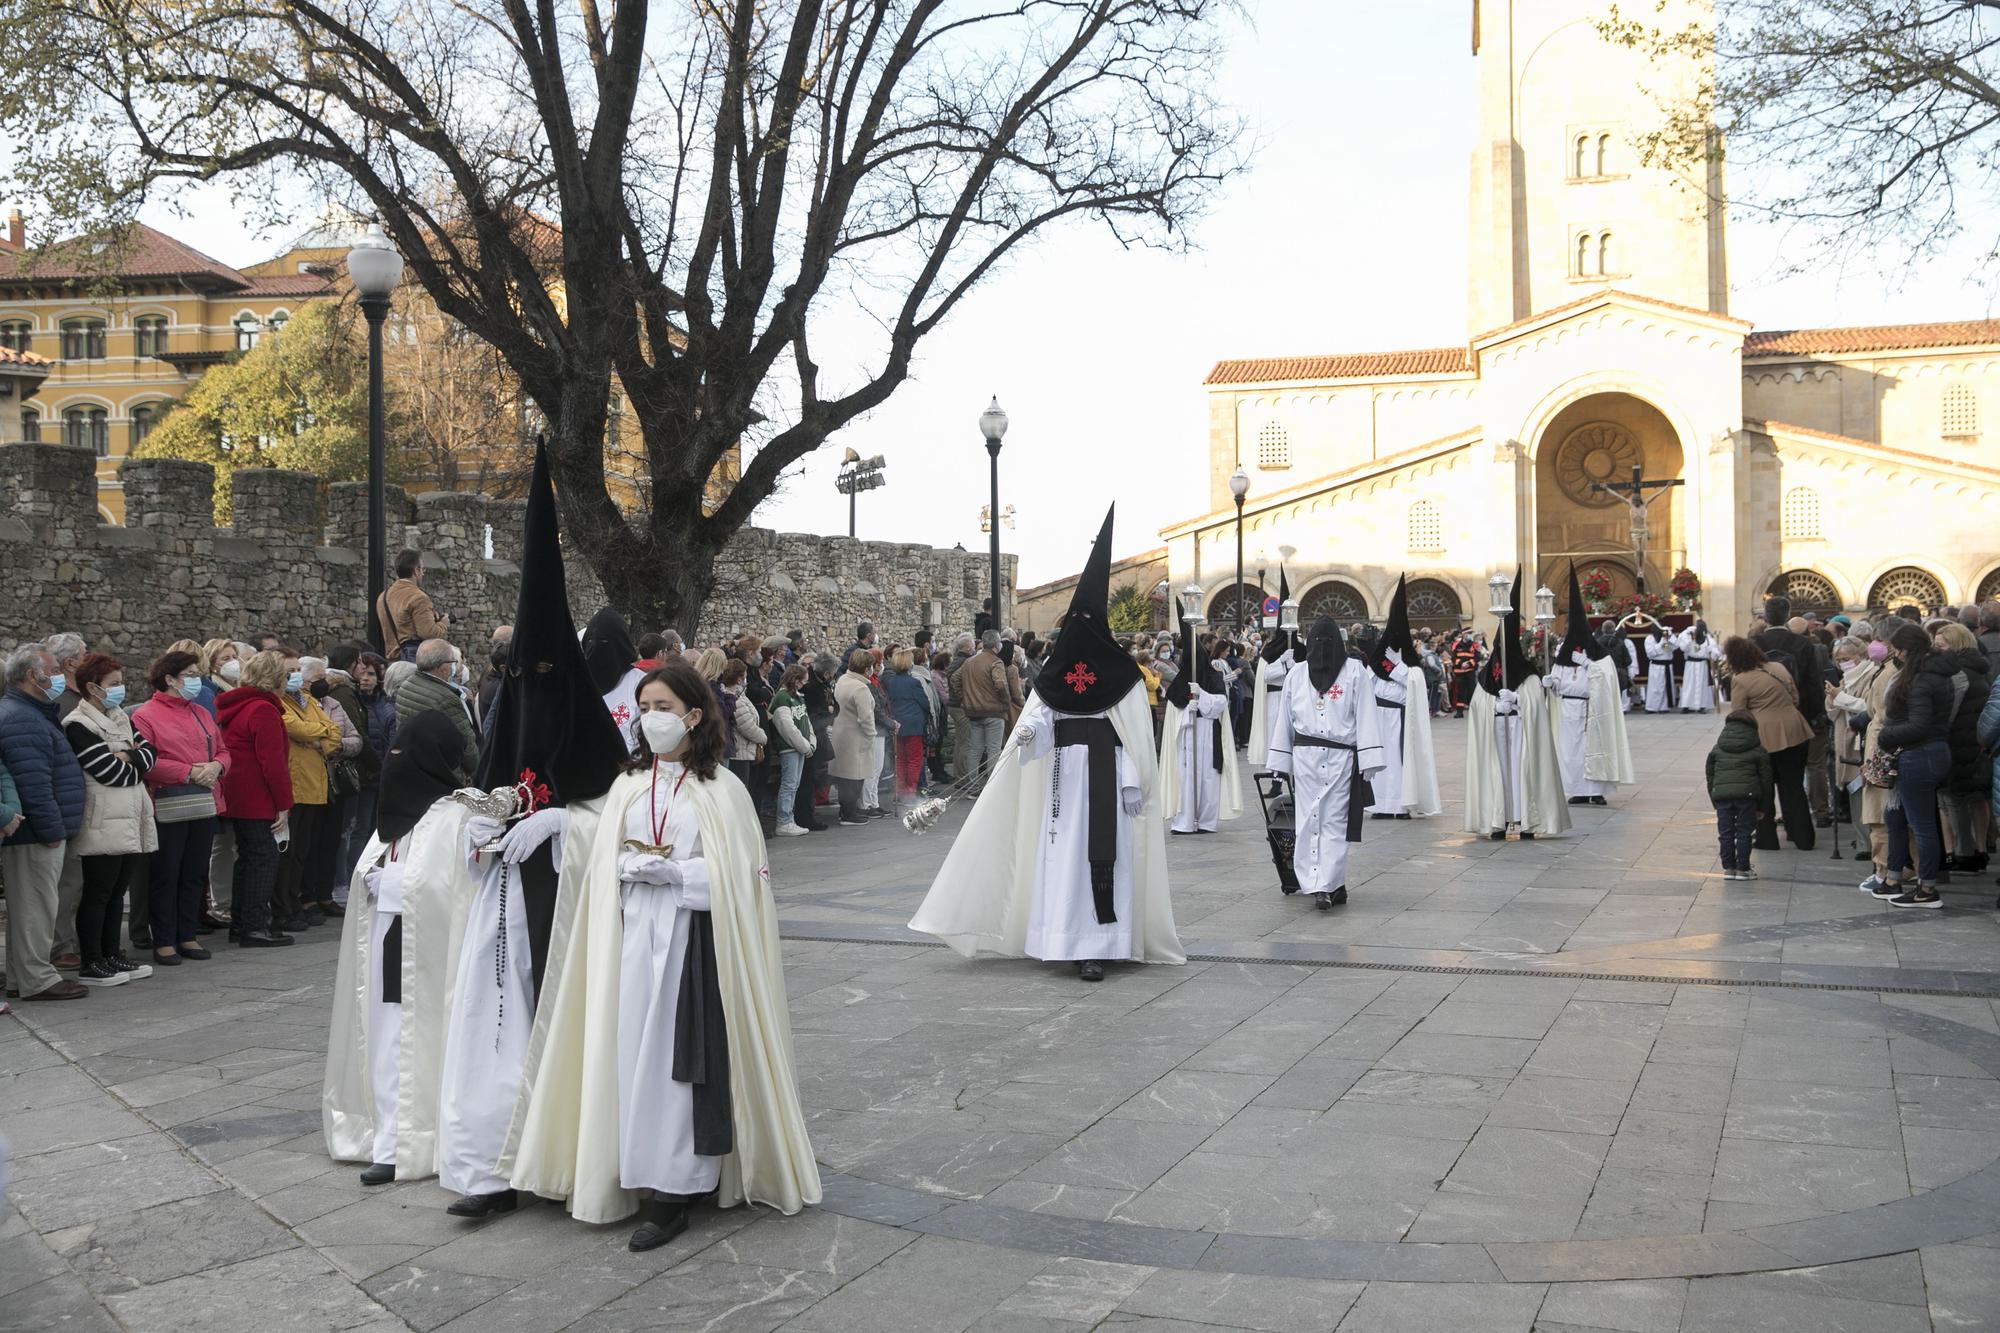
<point>1064,856</point>
<point>1199,783</point>
<point>1591,745</point>
<point>1513,779</point>
<point>1407,784</point>
<point>1326,738</point>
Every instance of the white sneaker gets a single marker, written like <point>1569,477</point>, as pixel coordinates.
<point>100,974</point>
<point>1872,883</point>
<point>1746,874</point>
<point>790,831</point>
<point>1731,874</point>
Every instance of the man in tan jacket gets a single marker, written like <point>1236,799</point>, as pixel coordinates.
<point>405,610</point>
<point>980,688</point>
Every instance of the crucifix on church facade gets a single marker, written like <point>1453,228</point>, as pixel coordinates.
<point>1634,495</point>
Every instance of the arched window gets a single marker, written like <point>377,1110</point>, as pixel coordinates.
<point>87,426</point>
<point>278,320</point>
<point>17,335</point>
<point>1583,252</point>
<point>1989,587</point>
<point>1274,447</point>
<point>1604,254</point>
<point>31,426</point>
<point>1808,591</point>
<point>149,335</point>
<point>1432,605</point>
<point>1906,586</point>
<point>1580,162</point>
<point>1961,412</point>
<point>83,339</point>
<point>1341,601</point>
<point>1426,529</point>
<point>1800,515</point>
<point>1603,154</point>
<point>144,417</point>
<point>248,328</point>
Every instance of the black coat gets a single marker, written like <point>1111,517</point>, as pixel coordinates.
<point>1919,707</point>
<point>1971,773</point>
<point>1808,668</point>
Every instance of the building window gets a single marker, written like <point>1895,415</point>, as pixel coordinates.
<point>1961,412</point>
<point>144,417</point>
<point>1584,251</point>
<point>1604,155</point>
<point>1906,587</point>
<point>88,426</point>
<point>278,319</point>
<point>1800,515</point>
<point>149,335</point>
<point>1274,447</point>
<point>1426,530</point>
<point>17,335</point>
<point>83,339</point>
<point>248,328</point>
<point>1604,268</point>
<point>31,425</point>
<point>1580,162</point>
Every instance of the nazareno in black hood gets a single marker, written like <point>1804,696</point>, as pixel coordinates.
<point>1326,653</point>
<point>1086,671</point>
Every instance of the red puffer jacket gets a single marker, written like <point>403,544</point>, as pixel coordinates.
<point>258,784</point>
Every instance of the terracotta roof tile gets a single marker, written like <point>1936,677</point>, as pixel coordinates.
<point>137,252</point>
<point>1362,365</point>
<point>1876,338</point>
<point>10,357</point>
<point>288,284</point>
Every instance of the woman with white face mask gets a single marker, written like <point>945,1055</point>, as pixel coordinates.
<point>118,831</point>
<point>670,998</point>
<point>186,782</point>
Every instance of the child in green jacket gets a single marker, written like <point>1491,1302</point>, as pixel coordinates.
<point>1739,787</point>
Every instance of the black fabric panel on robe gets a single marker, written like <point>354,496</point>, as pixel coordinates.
<point>1360,792</point>
<point>1215,745</point>
<point>701,1041</point>
<point>1101,790</point>
<point>537,878</point>
<point>391,961</point>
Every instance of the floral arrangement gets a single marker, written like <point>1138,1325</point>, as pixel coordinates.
<point>1651,604</point>
<point>1596,583</point>
<point>1686,588</point>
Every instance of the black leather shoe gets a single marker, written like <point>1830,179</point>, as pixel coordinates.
<point>263,939</point>
<point>663,1222</point>
<point>1090,969</point>
<point>195,953</point>
<point>168,959</point>
<point>378,1173</point>
<point>1599,800</point>
<point>1527,836</point>
<point>485,1205</point>
<point>1498,835</point>
<point>1579,800</point>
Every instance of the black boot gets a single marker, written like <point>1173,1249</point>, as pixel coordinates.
<point>665,1219</point>
<point>485,1205</point>
<point>378,1173</point>
<point>1090,969</point>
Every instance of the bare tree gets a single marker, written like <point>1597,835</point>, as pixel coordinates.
<point>727,177</point>
<point>1872,124</point>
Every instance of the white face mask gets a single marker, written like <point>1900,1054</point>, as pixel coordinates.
<point>231,669</point>
<point>664,732</point>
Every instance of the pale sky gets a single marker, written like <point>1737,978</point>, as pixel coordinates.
<point>1098,354</point>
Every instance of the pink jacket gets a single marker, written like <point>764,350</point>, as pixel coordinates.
<point>184,735</point>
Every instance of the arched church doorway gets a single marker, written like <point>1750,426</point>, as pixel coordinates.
<point>1433,605</point>
<point>1340,601</point>
<point>1593,443</point>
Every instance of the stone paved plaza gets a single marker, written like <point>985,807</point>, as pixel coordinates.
<point>1580,1083</point>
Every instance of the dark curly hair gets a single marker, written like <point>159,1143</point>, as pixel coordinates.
<point>169,664</point>
<point>704,742</point>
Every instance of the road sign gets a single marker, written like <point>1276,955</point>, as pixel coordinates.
<point>1270,606</point>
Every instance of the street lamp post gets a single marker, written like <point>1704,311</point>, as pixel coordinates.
<point>993,425</point>
<point>1545,619</point>
<point>374,267</point>
<point>858,474</point>
<point>1239,486</point>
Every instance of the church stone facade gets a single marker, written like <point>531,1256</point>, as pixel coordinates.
<point>1851,467</point>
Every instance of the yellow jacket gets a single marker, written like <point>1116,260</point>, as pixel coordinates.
<point>314,739</point>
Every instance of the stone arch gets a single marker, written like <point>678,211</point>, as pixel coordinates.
<point>1808,590</point>
<point>1906,585</point>
<point>1596,438</point>
<point>1339,598</point>
<point>1434,604</point>
<point>1988,589</point>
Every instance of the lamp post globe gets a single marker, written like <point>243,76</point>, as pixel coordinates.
<point>993,426</point>
<point>1239,486</point>
<point>1498,587</point>
<point>375,269</point>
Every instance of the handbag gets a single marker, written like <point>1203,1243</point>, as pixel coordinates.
<point>343,777</point>
<point>186,801</point>
<point>1879,769</point>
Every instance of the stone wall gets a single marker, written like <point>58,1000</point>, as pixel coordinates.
<point>169,573</point>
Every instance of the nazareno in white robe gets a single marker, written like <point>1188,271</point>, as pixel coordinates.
<point>623,704</point>
<point>1263,710</point>
<point>1197,796</point>
<point>1698,675</point>
<point>1407,783</point>
<point>1322,777</point>
<point>1512,772</point>
<point>1659,674</point>
<point>434,891</point>
<point>566,1140</point>
<point>1571,686</point>
<point>493,1011</point>
<point>1007,885</point>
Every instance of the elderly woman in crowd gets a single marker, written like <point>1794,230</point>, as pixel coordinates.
<point>306,859</point>
<point>741,734</point>
<point>186,781</point>
<point>118,831</point>
<point>257,793</point>
<point>853,735</point>
<point>1963,800</point>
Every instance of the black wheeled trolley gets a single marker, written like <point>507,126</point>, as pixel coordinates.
<point>1274,793</point>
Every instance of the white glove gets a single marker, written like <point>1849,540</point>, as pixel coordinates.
<point>481,830</point>
<point>1509,698</point>
<point>1134,800</point>
<point>649,868</point>
<point>371,879</point>
<point>527,836</point>
<point>1026,735</point>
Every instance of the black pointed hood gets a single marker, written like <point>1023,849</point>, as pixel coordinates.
<point>1281,640</point>
<point>549,718</point>
<point>1396,636</point>
<point>1577,634</point>
<point>1519,667</point>
<point>421,769</point>
<point>1086,671</point>
<point>1181,689</point>
<point>608,649</point>
<point>1326,653</point>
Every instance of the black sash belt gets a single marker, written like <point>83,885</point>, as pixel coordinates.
<point>1388,703</point>
<point>701,1041</point>
<point>1359,794</point>
<point>1215,744</point>
<point>1101,798</point>
<point>391,961</point>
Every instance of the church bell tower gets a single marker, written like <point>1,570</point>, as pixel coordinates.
<point>1561,203</point>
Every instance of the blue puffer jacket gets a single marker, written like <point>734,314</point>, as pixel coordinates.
<point>46,774</point>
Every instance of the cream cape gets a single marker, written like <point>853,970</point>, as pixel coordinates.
<point>437,893</point>
<point>1229,798</point>
<point>1420,770</point>
<point>1607,755</point>
<point>1543,807</point>
<point>1260,708</point>
<point>981,898</point>
<point>564,1140</point>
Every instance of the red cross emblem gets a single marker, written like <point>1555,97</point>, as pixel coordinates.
<point>534,793</point>
<point>621,715</point>
<point>1334,691</point>
<point>1080,678</point>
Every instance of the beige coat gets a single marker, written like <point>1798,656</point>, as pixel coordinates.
<point>1772,701</point>
<point>116,820</point>
<point>853,728</point>
<point>1872,696</point>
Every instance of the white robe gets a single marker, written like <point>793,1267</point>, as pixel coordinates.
<point>1392,702</point>
<point>1571,686</point>
<point>493,1010</point>
<point>1512,773</point>
<point>1659,674</point>
<point>623,703</point>
<point>385,1017</point>
<point>1322,777</point>
<point>434,890</point>
<point>656,1113</point>
<point>1270,680</point>
<point>1007,886</point>
<point>1607,754</point>
<point>1698,676</point>
<point>1202,796</point>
